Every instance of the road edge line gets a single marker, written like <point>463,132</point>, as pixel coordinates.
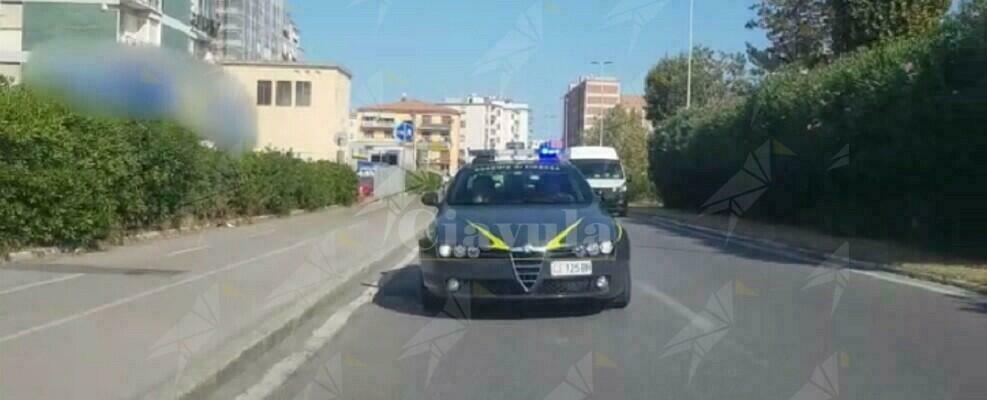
<point>270,334</point>
<point>279,373</point>
<point>812,255</point>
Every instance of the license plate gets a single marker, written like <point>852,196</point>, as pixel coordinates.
<point>572,268</point>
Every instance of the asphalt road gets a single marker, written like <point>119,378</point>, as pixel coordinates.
<point>130,321</point>
<point>710,319</point>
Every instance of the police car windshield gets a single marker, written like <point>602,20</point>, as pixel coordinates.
<point>519,184</point>
<point>599,169</point>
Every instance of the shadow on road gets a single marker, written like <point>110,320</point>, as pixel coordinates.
<point>399,291</point>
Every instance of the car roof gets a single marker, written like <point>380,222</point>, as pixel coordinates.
<point>525,164</point>
<point>591,153</point>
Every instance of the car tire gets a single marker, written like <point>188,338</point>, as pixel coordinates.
<point>622,213</point>
<point>624,299</point>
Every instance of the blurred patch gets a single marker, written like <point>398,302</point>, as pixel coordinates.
<point>111,79</point>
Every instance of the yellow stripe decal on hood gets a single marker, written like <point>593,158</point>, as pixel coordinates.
<point>556,242</point>
<point>495,242</point>
<point>620,233</point>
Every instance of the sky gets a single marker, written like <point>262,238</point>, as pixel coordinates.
<point>525,50</point>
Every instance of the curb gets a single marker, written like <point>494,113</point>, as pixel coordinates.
<point>37,253</point>
<point>248,348</point>
<point>817,256</point>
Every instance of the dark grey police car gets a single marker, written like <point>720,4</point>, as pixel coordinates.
<point>529,230</point>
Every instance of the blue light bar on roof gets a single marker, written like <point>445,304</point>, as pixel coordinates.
<point>547,152</point>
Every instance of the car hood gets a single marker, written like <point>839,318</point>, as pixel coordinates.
<point>519,226</point>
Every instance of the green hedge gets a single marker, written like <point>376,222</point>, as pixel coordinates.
<point>911,111</point>
<point>70,180</point>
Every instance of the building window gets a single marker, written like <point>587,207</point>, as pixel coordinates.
<point>446,120</point>
<point>263,93</point>
<point>283,94</point>
<point>426,119</point>
<point>303,93</point>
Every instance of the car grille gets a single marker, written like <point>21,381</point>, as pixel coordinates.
<point>563,286</point>
<point>527,268</point>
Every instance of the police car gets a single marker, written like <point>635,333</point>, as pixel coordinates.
<point>523,228</point>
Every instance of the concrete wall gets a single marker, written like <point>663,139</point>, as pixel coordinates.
<point>310,131</point>
<point>11,20</point>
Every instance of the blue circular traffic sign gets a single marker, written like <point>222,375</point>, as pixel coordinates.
<point>405,131</point>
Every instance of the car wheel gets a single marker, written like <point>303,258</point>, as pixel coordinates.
<point>624,299</point>
<point>622,213</point>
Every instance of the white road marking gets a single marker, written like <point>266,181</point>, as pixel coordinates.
<point>678,308</point>
<point>16,289</point>
<point>141,295</point>
<point>188,250</point>
<point>278,374</point>
<point>930,286</point>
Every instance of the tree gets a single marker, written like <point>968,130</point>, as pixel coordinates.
<point>812,32</point>
<point>715,76</point>
<point>797,30</point>
<point>624,131</point>
<point>858,23</point>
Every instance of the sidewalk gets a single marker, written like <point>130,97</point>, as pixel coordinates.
<point>893,257</point>
<point>161,318</point>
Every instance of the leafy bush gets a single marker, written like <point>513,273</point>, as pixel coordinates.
<point>909,111</point>
<point>70,180</point>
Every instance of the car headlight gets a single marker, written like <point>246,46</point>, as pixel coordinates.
<point>473,252</point>
<point>579,251</point>
<point>606,247</point>
<point>621,188</point>
<point>459,251</point>
<point>445,250</point>
<point>593,249</point>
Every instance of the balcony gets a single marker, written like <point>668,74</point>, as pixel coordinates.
<point>205,24</point>
<point>436,127</point>
<point>377,124</point>
<point>144,5</point>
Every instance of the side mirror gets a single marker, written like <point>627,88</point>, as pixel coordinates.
<point>430,199</point>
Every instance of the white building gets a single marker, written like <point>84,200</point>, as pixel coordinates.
<point>490,122</point>
<point>256,30</point>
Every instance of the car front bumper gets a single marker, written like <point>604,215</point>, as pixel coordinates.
<point>495,278</point>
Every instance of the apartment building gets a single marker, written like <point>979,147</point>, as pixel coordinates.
<point>490,122</point>
<point>257,30</point>
<point>186,26</point>
<point>302,108</point>
<point>584,105</point>
<point>637,105</point>
<point>437,135</point>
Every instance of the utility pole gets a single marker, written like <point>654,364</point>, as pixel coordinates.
<point>688,79</point>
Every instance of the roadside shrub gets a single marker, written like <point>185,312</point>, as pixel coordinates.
<point>69,180</point>
<point>910,113</point>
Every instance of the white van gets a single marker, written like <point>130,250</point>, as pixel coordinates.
<point>602,169</point>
